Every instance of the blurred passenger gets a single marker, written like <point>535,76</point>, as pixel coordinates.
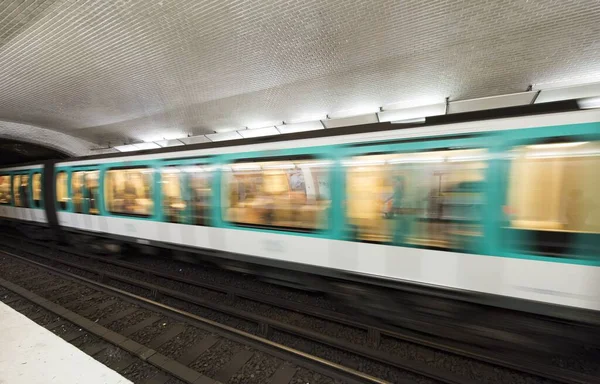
<point>397,211</point>
<point>23,193</point>
<point>130,196</point>
<point>93,192</point>
<point>576,212</point>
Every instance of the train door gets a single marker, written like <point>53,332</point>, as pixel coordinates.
<point>175,195</point>
<point>552,197</point>
<point>84,192</point>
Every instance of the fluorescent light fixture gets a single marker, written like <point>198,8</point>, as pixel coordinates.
<point>224,136</point>
<point>349,121</point>
<point>246,167</point>
<point>194,140</point>
<point>258,132</point>
<point>589,103</point>
<point>279,166</point>
<point>362,110</point>
<point>164,136</point>
<point>144,146</point>
<point>169,143</point>
<point>170,170</point>
<point>567,93</point>
<point>557,145</point>
<point>300,127</point>
<point>419,120</point>
<point>361,163</point>
<point>413,103</point>
<point>126,148</point>
<point>263,124</point>
<point>492,102</point>
<point>413,113</point>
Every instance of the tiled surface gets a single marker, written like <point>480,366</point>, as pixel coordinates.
<point>108,70</point>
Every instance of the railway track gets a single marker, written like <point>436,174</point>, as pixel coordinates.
<point>139,329</point>
<point>370,353</point>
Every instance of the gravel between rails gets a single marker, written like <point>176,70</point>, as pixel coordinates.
<point>136,317</point>
<point>34,310</point>
<point>212,315</point>
<point>149,333</point>
<point>175,347</point>
<point>139,372</point>
<point>85,291</point>
<point>73,288</point>
<point>349,360</point>
<point>87,339</point>
<point>89,303</point>
<point>47,319</point>
<point>117,307</point>
<point>112,355</point>
<point>63,329</point>
<point>175,381</point>
<point>325,327</point>
<point>303,376</point>
<point>258,370</point>
<point>216,357</point>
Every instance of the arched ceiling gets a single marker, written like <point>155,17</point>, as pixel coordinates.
<point>53,141</point>
<point>112,71</point>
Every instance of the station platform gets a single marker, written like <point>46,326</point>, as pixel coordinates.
<point>30,354</point>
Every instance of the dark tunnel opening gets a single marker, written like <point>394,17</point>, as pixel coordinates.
<point>17,152</point>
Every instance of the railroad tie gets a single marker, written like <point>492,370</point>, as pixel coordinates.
<point>197,350</point>
<point>166,336</point>
<point>139,326</point>
<point>93,349</point>
<point>82,299</point>
<point>159,378</point>
<point>117,316</point>
<point>236,363</point>
<point>55,324</point>
<point>284,374</point>
<point>100,306</point>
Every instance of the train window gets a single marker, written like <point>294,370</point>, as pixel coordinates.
<point>36,188</point>
<point>173,202</point>
<point>129,191</point>
<point>553,198</point>
<point>200,179</point>
<point>62,196</point>
<point>429,199</point>
<point>91,191</point>
<point>21,190</point>
<point>77,191</point>
<point>290,194</point>
<point>5,195</point>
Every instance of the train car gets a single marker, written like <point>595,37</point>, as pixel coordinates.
<point>502,212</point>
<point>21,197</point>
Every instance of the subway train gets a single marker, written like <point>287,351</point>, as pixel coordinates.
<point>401,221</point>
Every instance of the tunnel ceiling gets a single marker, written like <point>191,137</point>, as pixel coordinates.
<point>16,152</point>
<point>109,71</point>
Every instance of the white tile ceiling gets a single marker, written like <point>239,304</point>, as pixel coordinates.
<point>115,70</point>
